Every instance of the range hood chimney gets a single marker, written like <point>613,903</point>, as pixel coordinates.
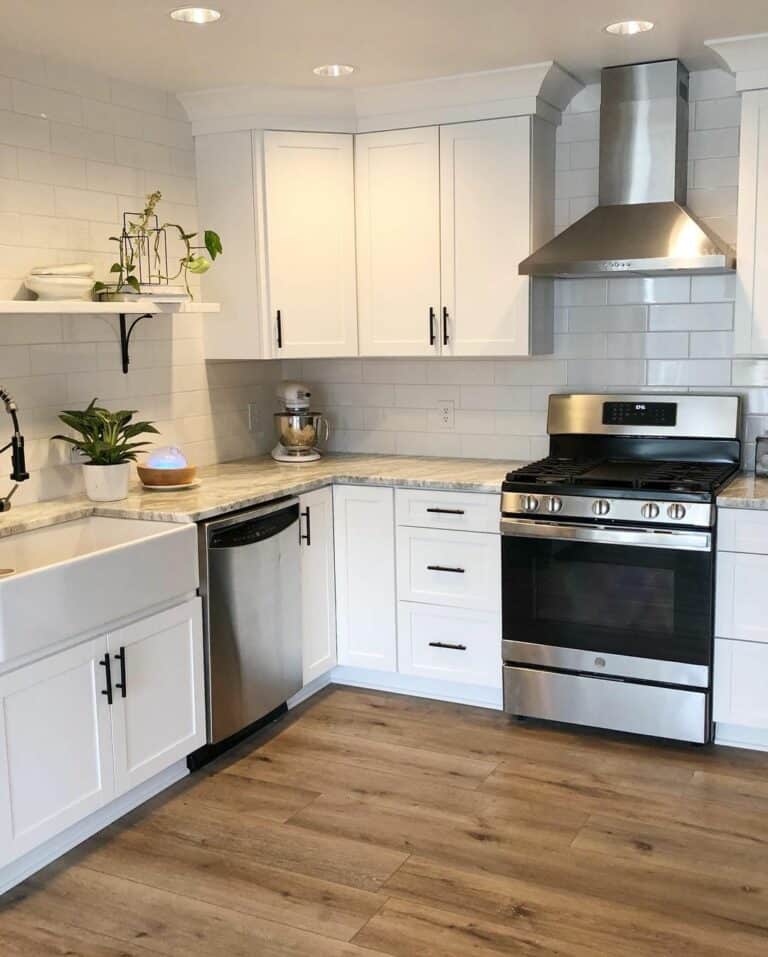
<point>641,226</point>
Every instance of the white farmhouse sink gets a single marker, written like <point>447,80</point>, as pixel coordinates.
<point>79,577</point>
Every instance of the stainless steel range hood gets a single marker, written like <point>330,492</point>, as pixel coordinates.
<point>641,225</point>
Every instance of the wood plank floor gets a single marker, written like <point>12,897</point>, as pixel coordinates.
<point>369,823</point>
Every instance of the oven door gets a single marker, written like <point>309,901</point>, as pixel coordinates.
<point>631,603</point>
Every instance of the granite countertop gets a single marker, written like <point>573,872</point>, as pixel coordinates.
<point>234,485</point>
<point>747,490</point>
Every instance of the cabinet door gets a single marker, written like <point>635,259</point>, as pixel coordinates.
<point>364,536</point>
<point>740,610</point>
<point>740,680</point>
<point>751,310</point>
<point>310,229</point>
<point>159,707</point>
<point>56,763</point>
<point>318,594</point>
<point>398,242</point>
<point>485,177</point>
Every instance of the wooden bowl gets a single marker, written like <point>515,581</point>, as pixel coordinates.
<point>158,478</point>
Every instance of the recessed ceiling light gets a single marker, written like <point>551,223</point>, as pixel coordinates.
<point>195,15</point>
<point>334,69</point>
<point>628,28</point>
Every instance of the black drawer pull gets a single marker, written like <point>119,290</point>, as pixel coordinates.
<point>445,644</point>
<point>432,336</point>
<point>445,325</point>
<point>308,537</point>
<point>120,656</point>
<point>105,663</point>
<point>447,511</point>
<point>279,330</point>
<point>445,568</point>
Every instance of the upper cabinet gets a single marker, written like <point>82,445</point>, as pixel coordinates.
<point>310,243</point>
<point>444,216</point>
<point>284,206</point>
<point>398,241</point>
<point>751,316</point>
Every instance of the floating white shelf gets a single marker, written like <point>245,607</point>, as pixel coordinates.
<point>74,307</point>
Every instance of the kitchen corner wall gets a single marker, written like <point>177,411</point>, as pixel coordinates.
<point>76,149</point>
<point>619,334</point>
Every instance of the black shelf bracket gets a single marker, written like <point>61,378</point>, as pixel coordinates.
<point>125,336</point>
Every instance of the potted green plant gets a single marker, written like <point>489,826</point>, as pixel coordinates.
<point>107,441</point>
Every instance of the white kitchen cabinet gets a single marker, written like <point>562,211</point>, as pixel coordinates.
<point>398,241</point>
<point>318,592</point>
<point>751,309</point>
<point>364,537</point>
<point>741,679</point>
<point>310,243</point>
<point>461,511</point>
<point>740,611</point>
<point>158,714</point>
<point>284,206</point>
<point>56,763</point>
<point>486,230</point>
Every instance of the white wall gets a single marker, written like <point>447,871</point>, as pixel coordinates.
<point>671,333</point>
<point>76,149</point>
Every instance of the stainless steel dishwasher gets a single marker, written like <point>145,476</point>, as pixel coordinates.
<point>250,583</point>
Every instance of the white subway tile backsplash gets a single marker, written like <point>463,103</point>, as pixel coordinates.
<point>602,373</point>
<point>704,144</point>
<point>18,129</point>
<point>86,204</point>
<point>713,288</point>
<point>689,372</point>
<point>395,420</point>
<point>575,183</point>
<point>43,167</point>
<point>140,98</point>
<point>711,344</point>
<point>460,372</point>
<point>649,289</point>
<point>608,319</point>
<point>77,141</point>
<point>715,173</point>
<point>709,203</point>
<point>47,103</point>
<point>9,166</point>
<point>147,156</point>
<point>584,155</point>
<point>647,345</point>
<point>17,196</point>
<point>108,118</point>
<point>493,398</point>
<point>711,84</point>
<point>576,127</point>
<point>581,346</point>
<point>718,113</point>
<point>692,317</point>
<point>74,79</point>
<point>750,372</point>
<point>581,292</point>
<point>524,372</point>
<point>6,96</point>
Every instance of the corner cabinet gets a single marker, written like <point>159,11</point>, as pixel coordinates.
<point>284,205</point>
<point>444,215</point>
<point>85,725</point>
<point>751,309</point>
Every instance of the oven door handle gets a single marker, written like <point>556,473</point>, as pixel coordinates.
<point>644,537</point>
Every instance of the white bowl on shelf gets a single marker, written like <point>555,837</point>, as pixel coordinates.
<point>60,287</point>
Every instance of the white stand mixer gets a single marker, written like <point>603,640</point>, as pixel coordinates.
<point>298,429</point>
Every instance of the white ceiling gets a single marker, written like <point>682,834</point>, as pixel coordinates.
<point>280,41</point>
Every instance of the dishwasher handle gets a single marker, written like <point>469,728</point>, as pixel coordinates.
<point>259,528</point>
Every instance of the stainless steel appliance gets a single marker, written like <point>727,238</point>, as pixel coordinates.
<point>641,225</point>
<point>299,430</point>
<point>250,581</point>
<point>608,563</point>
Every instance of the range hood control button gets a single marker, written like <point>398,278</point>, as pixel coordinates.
<point>601,507</point>
<point>650,510</point>
<point>676,511</point>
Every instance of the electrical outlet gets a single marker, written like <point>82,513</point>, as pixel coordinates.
<point>445,414</point>
<point>254,417</point>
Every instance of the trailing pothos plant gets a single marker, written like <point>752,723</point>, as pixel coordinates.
<point>106,438</point>
<point>139,239</point>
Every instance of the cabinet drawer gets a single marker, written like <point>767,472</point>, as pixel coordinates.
<point>463,511</point>
<point>740,680</point>
<point>740,606</point>
<point>449,644</point>
<point>461,569</point>
<point>742,530</point>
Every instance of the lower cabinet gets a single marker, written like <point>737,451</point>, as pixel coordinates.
<point>318,593</point>
<point>85,725</point>
<point>364,536</point>
<point>741,679</point>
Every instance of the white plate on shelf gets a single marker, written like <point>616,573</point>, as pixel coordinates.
<point>172,488</point>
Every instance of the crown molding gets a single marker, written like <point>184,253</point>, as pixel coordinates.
<point>746,57</point>
<point>540,89</point>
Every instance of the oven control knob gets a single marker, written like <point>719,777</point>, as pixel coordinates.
<point>529,503</point>
<point>553,503</point>
<point>650,510</point>
<point>601,506</point>
<point>676,511</point>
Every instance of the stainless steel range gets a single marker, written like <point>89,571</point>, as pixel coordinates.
<point>608,563</point>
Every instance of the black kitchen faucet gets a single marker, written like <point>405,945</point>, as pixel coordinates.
<point>19,467</point>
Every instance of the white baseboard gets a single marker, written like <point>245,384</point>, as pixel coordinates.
<point>317,684</point>
<point>477,695</point>
<point>737,736</point>
<point>19,870</point>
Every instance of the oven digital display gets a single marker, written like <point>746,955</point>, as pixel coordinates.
<point>640,413</point>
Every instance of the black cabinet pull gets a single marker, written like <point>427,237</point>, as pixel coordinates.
<point>308,537</point>
<point>120,656</point>
<point>447,511</point>
<point>279,330</point>
<point>432,336</point>
<point>445,325</point>
<point>444,568</point>
<point>445,644</point>
<point>105,663</point>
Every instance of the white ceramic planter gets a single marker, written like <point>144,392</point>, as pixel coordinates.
<point>107,483</point>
